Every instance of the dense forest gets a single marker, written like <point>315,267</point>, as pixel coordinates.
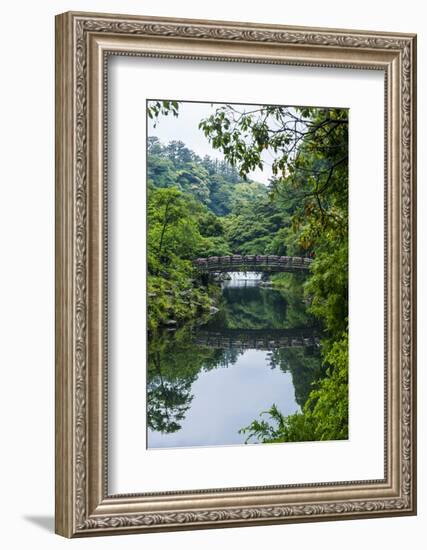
<point>199,207</point>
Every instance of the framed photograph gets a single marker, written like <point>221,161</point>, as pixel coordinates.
<point>235,274</point>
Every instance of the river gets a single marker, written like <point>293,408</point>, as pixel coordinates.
<point>205,383</point>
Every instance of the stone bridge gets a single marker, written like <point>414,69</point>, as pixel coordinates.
<point>218,264</point>
<point>257,338</point>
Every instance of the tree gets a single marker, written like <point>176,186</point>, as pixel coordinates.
<point>324,416</point>
<point>180,229</point>
<point>210,181</point>
<point>179,153</point>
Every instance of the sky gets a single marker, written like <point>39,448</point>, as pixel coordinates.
<point>185,128</point>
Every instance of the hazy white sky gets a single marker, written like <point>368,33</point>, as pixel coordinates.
<point>185,128</point>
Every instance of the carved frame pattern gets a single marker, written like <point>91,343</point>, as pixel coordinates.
<point>83,510</point>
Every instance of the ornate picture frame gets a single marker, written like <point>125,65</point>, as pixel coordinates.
<point>84,42</point>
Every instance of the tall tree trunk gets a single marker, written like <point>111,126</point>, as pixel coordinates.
<point>165,224</point>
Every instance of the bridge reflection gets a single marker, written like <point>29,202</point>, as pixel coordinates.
<point>263,339</point>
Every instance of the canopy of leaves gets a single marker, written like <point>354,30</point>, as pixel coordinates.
<point>210,181</point>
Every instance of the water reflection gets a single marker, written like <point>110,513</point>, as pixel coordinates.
<point>204,384</point>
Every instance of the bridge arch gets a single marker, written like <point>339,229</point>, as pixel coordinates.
<point>269,263</point>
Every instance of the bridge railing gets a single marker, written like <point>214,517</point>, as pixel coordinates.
<point>239,261</point>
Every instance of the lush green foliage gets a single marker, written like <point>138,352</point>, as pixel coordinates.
<point>310,185</point>
<point>201,207</point>
<point>324,415</point>
<point>179,230</point>
<point>187,200</point>
<point>210,181</point>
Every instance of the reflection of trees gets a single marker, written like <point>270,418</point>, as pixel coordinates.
<point>304,364</point>
<point>256,308</point>
<point>174,363</point>
<point>167,400</point>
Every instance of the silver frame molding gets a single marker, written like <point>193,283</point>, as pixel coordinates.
<point>83,43</point>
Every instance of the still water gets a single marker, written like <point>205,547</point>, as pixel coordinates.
<point>205,383</point>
